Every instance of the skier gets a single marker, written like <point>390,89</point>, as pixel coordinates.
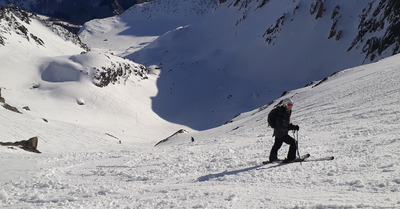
<point>282,125</point>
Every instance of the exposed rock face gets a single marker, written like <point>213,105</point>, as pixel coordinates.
<point>384,18</point>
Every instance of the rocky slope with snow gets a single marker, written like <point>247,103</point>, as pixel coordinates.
<point>15,20</point>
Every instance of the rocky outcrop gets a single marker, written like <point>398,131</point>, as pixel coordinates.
<point>272,32</point>
<point>317,8</point>
<point>118,73</point>
<point>11,108</point>
<point>29,145</point>
<point>335,32</point>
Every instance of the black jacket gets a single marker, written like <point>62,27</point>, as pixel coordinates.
<point>283,124</point>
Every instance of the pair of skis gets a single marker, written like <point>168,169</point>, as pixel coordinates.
<point>299,159</point>
<point>304,158</point>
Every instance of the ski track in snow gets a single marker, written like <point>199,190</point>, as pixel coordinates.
<point>199,175</point>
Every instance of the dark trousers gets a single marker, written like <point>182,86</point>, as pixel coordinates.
<point>278,144</point>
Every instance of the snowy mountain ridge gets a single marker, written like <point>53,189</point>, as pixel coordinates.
<point>14,19</point>
<point>73,11</point>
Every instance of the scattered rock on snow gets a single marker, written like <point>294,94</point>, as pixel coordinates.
<point>11,108</point>
<point>181,131</point>
<point>2,100</point>
<point>80,101</point>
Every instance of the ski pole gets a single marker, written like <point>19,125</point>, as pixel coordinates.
<point>297,142</point>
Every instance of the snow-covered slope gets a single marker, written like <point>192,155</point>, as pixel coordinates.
<point>59,80</point>
<point>353,115</point>
<point>243,54</point>
<point>142,24</point>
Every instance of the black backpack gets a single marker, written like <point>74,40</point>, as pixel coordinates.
<point>272,118</point>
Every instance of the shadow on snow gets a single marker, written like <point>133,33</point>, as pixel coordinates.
<point>235,172</point>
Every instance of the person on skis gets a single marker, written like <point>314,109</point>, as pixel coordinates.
<point>281,127</point>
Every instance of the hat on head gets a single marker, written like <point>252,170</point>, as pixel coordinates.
<point>287,101</point>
